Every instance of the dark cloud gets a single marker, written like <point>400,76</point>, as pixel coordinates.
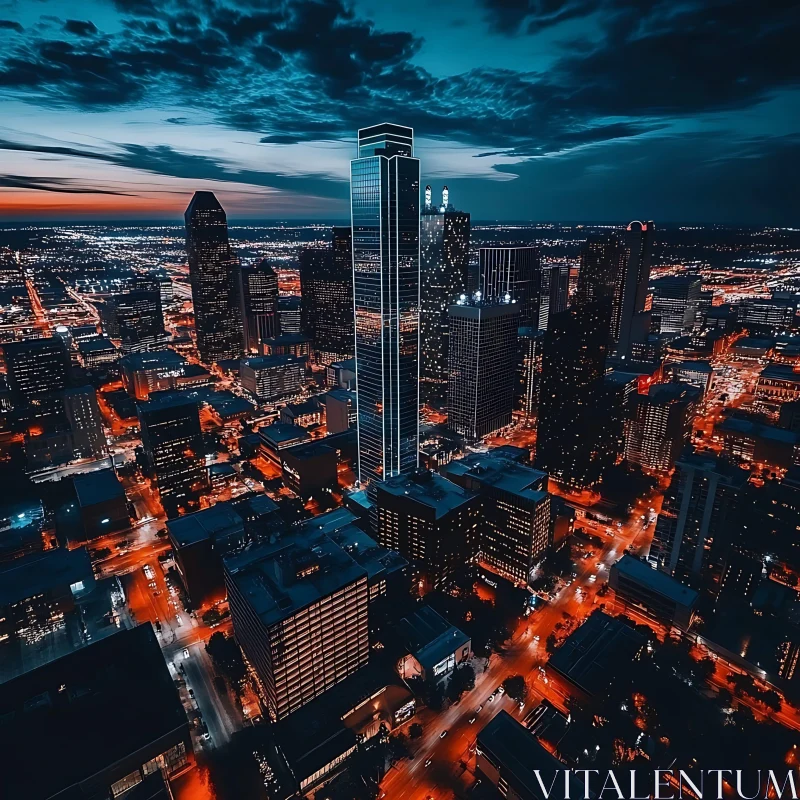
<point>177,120</point>
<point>11,25</point>
<point>80,28</point>
<point>63,185</point>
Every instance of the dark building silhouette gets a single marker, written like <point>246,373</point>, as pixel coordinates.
<point>444,266</point>
<point>528,370</point>
<point>384,184</point>
<point>513,271</point>
<point>554,292</point>
<point>259,295</point>
<point>85,422</point>
<point>569,435</point>
<point>173,447</point>
<point>326,285</point>
<point>676,299</point>
<point>36,368</point>
<point>214,274</point>
<point>481,366</point>
<point>290,315</point>
<point>135,317</point>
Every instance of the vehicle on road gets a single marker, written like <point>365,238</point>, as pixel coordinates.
<point>191,693</point>
<point>443,734</point>
<point>472,720</point>
<point>186,652</point>
<point>592,578</point>
<point>428,762</point>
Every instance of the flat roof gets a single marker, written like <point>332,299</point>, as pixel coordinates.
<point>73,717</point>
<point>693,366</point>
<point>589,655</point>
<point>343,395</point>
<point>100,344</point>
<point>36,573</point>
<point>266,362</point>
<point>427,488</point>
<point>502,473</point>
<point>203,525</point>
<point>784,372</point>
<point>279,432</point>
<point>98,487</point>
<point>758,429</point>
<point>430,637</point>
<point>656,580</point>
<point>519,754</point>
<point>152,360</point>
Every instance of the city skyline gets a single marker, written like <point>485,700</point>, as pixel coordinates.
<point>569,111</point>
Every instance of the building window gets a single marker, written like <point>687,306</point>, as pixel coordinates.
<point>128,782</point>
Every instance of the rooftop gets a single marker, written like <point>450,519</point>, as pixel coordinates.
<point>693,366</point>
<point>310,406</point>
<point>278,432</point>
<point>87,711</point>
<point>36,573</point>
<point>430,637</point>
<point>427,488</point>
<point>343,395</point>
<point>97,345</point>
<point>98,487</point>
<point>209,523</point>
<point>487,469</point>
<point>589,656</point>
<point>656,580</point>
<point>757,429</point>
<point>783,372</point>
<point>267,362</point>
<point>663,393</point>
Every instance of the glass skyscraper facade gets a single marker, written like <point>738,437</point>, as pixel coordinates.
<point>259,295</point>
<point>385,183</point>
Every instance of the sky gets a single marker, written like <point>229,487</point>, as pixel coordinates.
<point>542,110</point>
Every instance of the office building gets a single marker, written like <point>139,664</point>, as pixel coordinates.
<point>444,264</point>
<point>160,370</point>
<point>173,447</point>
<point>214,275</point>
<point>342,375</point>
<point>290,314</point>
<point>300,614</point>
<point>95,723</point>
<point>554,292</point>
<point>753,442</point>
<point>310,469</point>
<point>764,316</point>
<point>676,300</point>
<point>697,373</point>
<point>513,271</point>
<point>275,438</point>
<point>98,352</point>
<point>631,318</point>
<point>528,370</point>
<point>660,425</point>
<point>652,592</point>
<point>430,521</point>
<point>570,430</point>
<point>514,511</point>
<point>697,522</point>
<point>164,283</point>
<point>777,384</point>
<point>510,758</point>
<point>326,284</point>
<point>307,413</point>
<point>259,295</point>
<point>621,389</point>
<point>85,422</point>
<point>434,647</point>
<point>481,367</point>
<point>287,344</point>
<point>102,503</point>
<point>136,317</point>
<point>271,378</point>
<point>35,369</point>
<point>599,264</point>
<point>384,182</point>
<point>340,411</point>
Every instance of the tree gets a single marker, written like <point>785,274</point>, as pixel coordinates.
<point>516,688</point>
<point>462,680</point>
<point>415,730</point>
<point>227,658</point>
<point>398,747</point>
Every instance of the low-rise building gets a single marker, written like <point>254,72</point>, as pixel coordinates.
<point>306,414</point>
<point>97,352</point>
<point>342,375</point>
<point>271,378</point>
<point>341,411</point>
<point>755,442</point>
<point>276,438</point>
<point>309,469</point>
<point>652,592</point>
<point>777,384</point>
<point>102,503</point>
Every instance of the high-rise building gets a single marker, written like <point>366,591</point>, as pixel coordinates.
<point>270,378</point>
<point>36,368</point>
<point>173,447</point>
<point>259,295</point>
<point>630,320</point>
<point>444,264</point>
<point>621,390</point>
<point>514,511</point>
<point>86,424</point>
<point>214,275</point>
<point>660,425</point>
<point>599,264</point>
<point>554,292</point>
<point>528,370</point>
<point>326,284</point>
<point>676,299</point>
<point>698,519</point>
<point>767,316</point>
<point>481,366</point>
<point>384,182</point>
<point>164,282</point>
<point>515,271</point>
<point>300,612</point>
<point>430,521</point>
<point>290,314</point>
<point>569,433</point>
<point>135,317</point>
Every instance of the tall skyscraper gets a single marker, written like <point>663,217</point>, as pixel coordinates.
<point>554,292</point>
<point>214,275</point>
<point>135,317</point>
<point>259,294</point>
<point>515,271</point>
<point>569,433</point>
<point>630,321</point>
<point>36,368</point>
<point>173,446</point>
<point>85,422</point>
<point>528,370</point>
<point>444,266</point>
<point>481,366</point>
<point>290,314</point>
<point>599,257</point>
<point>384,182</point>
<point>675,303</point>
<point>326,285</point>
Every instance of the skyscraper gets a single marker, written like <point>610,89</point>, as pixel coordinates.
<point>569,443</point>
<point>36,368</point>
<point>135,317</point>
<point>515,271</point>
<point>83,415</point>
<point>384,182</point>
<point>214,275</point>
<point>259,295</point>
<point>630,321</point>
<point>554,292</point>
<point>326,285</point>
<point>528,370</point>
<point>173,446</point>
<point>444,265</point>
<point>675,303</point>
<point>481,368</point>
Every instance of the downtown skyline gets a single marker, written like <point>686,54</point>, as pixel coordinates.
<point>593,110</point>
